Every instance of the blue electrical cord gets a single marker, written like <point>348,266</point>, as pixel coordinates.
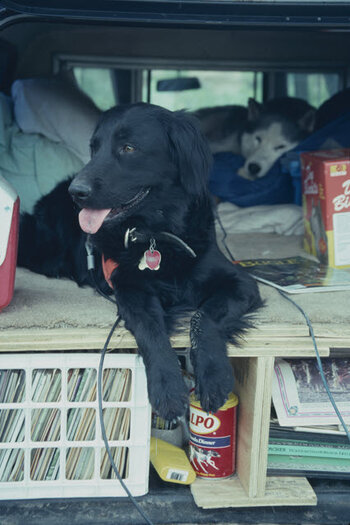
<point>103,429</point>
<point>100,395</point>
<point>319,363</point>
<point>308,322</point>
<point>91,267</point>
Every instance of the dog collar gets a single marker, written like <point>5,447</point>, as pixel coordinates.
<point>108,267</point>
<point>132,235</point>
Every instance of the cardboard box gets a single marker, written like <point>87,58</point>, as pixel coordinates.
<point>326,205</point>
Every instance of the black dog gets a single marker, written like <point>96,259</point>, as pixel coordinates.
<point>144,196</point>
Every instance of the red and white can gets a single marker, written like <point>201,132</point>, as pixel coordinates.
<point>213,439</point>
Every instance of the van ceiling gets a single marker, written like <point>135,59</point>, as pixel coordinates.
<point>195,12</point>
<point>37,42</point>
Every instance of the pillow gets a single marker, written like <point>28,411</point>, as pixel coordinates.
<point>30,162</point>
<point>282,219</point>
<point>56,108</point>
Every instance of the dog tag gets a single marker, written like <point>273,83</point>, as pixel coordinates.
<point>151,258</point>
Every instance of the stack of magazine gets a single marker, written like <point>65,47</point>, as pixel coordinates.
<point>305,434</point>
<point>46,423</point>
<point>297,274</point>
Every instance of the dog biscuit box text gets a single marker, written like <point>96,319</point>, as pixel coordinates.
<point>326,205</point>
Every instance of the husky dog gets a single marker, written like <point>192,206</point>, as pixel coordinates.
<point>223,127</point>
<point>261,133</point>
<point>273,129</point>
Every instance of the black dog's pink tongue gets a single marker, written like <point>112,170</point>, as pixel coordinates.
<point>91,220</point>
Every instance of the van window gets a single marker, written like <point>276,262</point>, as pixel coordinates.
<point>313,87</point>
<point>98,84</point>
<point>216,88</point>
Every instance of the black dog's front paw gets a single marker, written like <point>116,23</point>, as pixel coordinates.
<point>214,382</point>
<point>167,393</point>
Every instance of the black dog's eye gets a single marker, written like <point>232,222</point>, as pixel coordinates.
<point>127,148</point>
<point>282,146</point>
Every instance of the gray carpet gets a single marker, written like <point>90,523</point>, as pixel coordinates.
<point>40,302</point>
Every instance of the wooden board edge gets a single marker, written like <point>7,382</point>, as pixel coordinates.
<point>250,382</point>
<point>265,426</point>
<point>280,491</point>
<point>68,339</point>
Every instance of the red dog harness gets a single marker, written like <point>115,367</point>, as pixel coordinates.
<point>108,267</point>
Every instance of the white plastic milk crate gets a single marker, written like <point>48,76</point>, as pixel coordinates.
<point>50,439</point>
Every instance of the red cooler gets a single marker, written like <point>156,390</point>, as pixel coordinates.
<point>9,222</point>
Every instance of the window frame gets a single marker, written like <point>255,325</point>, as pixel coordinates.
<point>137,65</point>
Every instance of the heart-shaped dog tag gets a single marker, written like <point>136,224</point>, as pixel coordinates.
<point>152,259</point>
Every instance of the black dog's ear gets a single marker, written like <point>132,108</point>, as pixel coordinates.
<point>190,151</point>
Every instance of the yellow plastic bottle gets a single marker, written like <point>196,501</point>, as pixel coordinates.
<point>171,462</point>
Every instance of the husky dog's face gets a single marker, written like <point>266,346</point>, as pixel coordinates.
<point>273,129</point>
<point>262,148</point>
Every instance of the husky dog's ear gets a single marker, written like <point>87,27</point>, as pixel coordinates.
<point>307,121</point>
<point>190,151</point>
<point>254,109</point>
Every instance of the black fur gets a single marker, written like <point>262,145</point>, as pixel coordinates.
<point>133,148</point>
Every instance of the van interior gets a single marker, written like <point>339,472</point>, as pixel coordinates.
<point>182,56</point>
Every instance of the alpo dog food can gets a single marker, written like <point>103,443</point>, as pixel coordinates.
<point>213,439</point>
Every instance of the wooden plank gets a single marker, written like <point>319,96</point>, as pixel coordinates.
<point>250,384</point>
<point>283,347</point>
<point>66,338</point>
<point>280,491</point>
<point>280,330</point>
<point>262,332</point>
<point>332,331</point>
<point>94,338</point>
<point>333,343</point>
<point>265,426</point>
<point>73,339</point>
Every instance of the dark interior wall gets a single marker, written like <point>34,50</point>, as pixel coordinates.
<point>8,59</point>
<point>38,42</point>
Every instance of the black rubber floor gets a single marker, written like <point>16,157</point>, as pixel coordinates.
<point>173,504</point>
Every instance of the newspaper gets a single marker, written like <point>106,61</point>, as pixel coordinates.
<point>299,396</point>
<point>297,274</point>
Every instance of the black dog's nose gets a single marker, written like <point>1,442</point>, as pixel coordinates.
<point>253,168</point>
<point>80,191</point>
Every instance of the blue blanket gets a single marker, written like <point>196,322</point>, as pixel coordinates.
<point>276,187</point>
<point>226,184</point>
